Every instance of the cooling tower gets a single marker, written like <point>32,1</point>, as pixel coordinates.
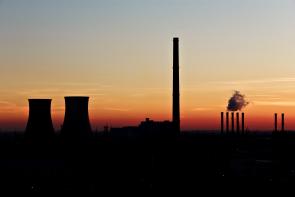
<point>76,121</point>
<point>39,126</point>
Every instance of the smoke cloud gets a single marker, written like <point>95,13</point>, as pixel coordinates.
<point>237,102</point>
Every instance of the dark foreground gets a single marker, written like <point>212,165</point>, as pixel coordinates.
<point>190,162</point>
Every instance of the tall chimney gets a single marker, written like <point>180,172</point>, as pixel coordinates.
<point>176,105</point>
<point>283,122</point>
<point>276,122</point>
<point>238,122</point>
<point>227,122</point>
<point>76,122</point>
<point>221,122</point>
<point>39,126</point>
<point>243,122</point>
<point>232,122</point>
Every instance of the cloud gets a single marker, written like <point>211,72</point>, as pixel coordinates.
<point>237,102</point>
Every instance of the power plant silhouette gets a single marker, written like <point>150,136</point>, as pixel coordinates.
<point>76,121</point>
<point>151,155</point>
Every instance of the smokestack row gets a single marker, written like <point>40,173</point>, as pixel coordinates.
<point>276,122</point>
<point>233,129</point>
<point>76,121</point>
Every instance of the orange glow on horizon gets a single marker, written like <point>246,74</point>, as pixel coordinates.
<point>200,120</point>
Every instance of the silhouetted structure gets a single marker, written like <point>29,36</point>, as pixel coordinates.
<point>227,122</point>
<point>147,128</point>
<point>243,122</point>
<point>233,122</point>
<point>238,128</point>
<point>276,122</point>
<point>39,126</point>
<point>76,121</point>
<point>238,122</point>
<point>156,128</point>
<point>283,122</point>
<point>221,122</point>
<point>176,94</point>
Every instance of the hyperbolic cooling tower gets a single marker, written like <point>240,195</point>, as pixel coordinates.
<point>76,121</point>
<point>39,125</point>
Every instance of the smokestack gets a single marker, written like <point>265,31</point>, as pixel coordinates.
<point>227,122</point>
<point>238,122</point>
<point>76,122</point>
<point>221,122</point>
<point>276,122</point>
<point>232,122</point>
<point>39,126</point>
<point>283,122</point>
<point>176,105</point>
<point>243,122</point>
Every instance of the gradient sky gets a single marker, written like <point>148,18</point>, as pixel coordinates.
<point>120,54</point>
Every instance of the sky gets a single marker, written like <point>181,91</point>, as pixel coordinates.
<point>120,54</point>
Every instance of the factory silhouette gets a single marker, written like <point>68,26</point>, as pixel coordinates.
<point>146,158</point>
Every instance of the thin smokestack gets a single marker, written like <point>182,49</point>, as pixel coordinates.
<point>276,122</point>
<point>176,105</point>
<point>227,122</point>
<point>221,122</point>
<point>283,122</point>
<point>243,122</point>
<point>238,122</point>
<point>232,122</point>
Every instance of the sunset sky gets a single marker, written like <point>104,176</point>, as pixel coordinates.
<point>120,54</point>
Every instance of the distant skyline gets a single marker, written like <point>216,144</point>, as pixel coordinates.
<point>119,53</point>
